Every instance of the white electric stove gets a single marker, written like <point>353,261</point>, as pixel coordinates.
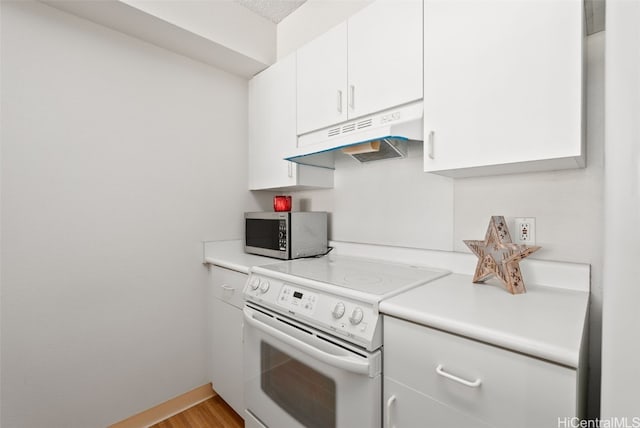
<point>337,294</point>
<point>313,338</point>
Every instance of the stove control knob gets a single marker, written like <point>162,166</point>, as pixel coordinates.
<point>254,283</point>
<point>356,316</point>
<point>264,286</point>
<point>338,311</point>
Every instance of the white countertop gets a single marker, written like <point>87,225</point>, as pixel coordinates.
<point>544,322</point>
<point>231,255</point>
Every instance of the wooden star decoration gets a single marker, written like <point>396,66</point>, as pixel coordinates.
<point>499,257</point>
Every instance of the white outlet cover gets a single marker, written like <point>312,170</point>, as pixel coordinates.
<point>519,223</point>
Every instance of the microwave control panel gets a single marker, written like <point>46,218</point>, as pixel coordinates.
<point>282,235</point>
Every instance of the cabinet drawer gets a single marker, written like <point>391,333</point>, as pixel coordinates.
<point>497,386</point>
<point>228,285</point>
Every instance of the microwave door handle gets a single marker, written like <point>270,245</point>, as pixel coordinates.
<point>348,363</point>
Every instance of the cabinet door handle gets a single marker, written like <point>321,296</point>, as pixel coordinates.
<point>440,370</point>
<point>339,101</point>
<point>390,402</point>
<point>226,287</point>
<point>430,147</point>
<point>352,100</point>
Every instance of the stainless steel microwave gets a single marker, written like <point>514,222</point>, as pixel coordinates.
<point>286,235</point>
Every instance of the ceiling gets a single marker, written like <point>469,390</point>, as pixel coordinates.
<point>273,10</point>
<point>276,10</point>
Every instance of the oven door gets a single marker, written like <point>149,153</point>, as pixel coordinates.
<point>295,376</point>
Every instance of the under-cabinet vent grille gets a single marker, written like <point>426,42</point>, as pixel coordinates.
<point>365,123</point>
<point>333,132</point>
<point>349,127</point>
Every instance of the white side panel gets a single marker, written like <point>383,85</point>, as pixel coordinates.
<point>621,322</point>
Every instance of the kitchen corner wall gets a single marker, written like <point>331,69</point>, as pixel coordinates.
<point>392,202</point>
<point>118,158</point>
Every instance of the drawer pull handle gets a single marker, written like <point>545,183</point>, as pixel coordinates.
<point>229,288</point>
<point>390,402</point>
<point>440,370</point>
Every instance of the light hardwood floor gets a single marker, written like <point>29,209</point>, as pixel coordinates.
<point>212,413</point>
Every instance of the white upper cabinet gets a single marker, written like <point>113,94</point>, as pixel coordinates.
<point>272,132</point>
<point>503,86</point>
<point>369,63</point>
<point>322,80</point>
<point>384,56</point>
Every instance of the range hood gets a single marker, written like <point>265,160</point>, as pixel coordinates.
<point>379,136</point>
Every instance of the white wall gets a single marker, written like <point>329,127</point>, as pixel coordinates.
<point>118,158</point>
<point>567,204</point>
<point>621,322</point>
<point>225,22</point>
<point>391,202</point>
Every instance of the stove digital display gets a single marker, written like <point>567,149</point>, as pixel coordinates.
<point>296,300</point>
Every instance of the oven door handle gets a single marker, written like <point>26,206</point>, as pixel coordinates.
<point>353,364</point>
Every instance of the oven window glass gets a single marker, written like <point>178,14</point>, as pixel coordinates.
<point>304,393</point>
<point>262,233</point>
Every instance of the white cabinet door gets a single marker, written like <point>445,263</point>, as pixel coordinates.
<point>225,365</point>
<point>226,368</point>
<point>272,125</point>
<point>498,387</point>
<point>322,80</point>
<point>369,63</point>
<point>406,407</point>
<point>272,132</point>
<point>385,56</point>
<point>503,84</point>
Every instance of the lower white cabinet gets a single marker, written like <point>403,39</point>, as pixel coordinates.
<point>225,365</point>
<point>433,378</point>
<point>407,407</point>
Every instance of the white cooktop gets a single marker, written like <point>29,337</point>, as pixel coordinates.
<point>373,277</point>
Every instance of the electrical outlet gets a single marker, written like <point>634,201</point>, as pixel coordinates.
<point>525,230</point>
